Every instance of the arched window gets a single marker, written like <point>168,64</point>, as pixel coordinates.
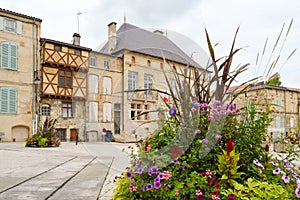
<point>132,60</point>
<point>106,85</point>
<point>46,110</point>
<point>106,112</point>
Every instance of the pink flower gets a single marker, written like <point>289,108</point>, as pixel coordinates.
<point>166,175</point>
<point>176,192</point>
<point>197,131</point>
<point>198,192</point>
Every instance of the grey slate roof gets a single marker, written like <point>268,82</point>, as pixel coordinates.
<point>130,37</point>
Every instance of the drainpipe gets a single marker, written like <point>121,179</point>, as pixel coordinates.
<point>123,95</point>
<point>33,85</point>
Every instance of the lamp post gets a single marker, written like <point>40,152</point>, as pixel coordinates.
<point>37,82</point>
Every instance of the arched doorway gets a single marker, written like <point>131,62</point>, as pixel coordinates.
<point>20,133</point>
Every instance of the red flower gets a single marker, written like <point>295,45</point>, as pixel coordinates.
<point>175,152</point>
<point>267,148</point>
<point>229,146</point>
<point>147,146</point>
<point>166,99</point>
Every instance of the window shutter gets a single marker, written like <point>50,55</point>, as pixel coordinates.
<point>19,27</point>
<point>1,23</point>
<point>4,100</point>
<point>4,55</point>
<point>12,100</point>
<point>13,56</point>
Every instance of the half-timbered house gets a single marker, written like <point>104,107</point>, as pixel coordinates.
<point>63,92</point>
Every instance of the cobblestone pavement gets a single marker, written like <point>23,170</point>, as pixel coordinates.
<point>83,171</point>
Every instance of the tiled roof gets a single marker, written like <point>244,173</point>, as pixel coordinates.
<point>19,14</point>
<point>130,37</point>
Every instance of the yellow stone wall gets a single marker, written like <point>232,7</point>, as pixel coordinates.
<point>20,125</point>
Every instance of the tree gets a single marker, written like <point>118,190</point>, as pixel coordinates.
<point>274,80</point>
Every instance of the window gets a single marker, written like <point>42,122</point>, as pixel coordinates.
<point>8,100</point>
<point>106,64</point>
<point>277,122</point>
<point>106,112</point>
<point>46,110</point>
<point>138,111</point>
<point>148,63</point>
<point>93,111</point>
<point>93,84</point>
<point>292,122</point>
<point>132,83</point>
<point>148,85</point>
<point>9,56</point>
<point>132,60</point>
<point>107,85</point>
<point>57,48</point>
<point>10,25</point>
<point>67,111</point>
<point>77,52</point>
<point>65,79</point>
<point>93,61</point>
<point>292,107</point>
<point>277,102</point>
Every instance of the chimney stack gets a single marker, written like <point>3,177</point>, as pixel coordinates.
<point>112,36</point>
<point>76,39</point>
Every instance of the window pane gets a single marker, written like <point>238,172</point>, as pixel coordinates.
<point>69,82</point>
<point>9,26</point>
<point>61,81</point>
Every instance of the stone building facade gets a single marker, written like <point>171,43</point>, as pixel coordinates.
<point>19,66</point>
<point>284,106</point>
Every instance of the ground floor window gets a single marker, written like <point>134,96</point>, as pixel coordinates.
<point>138,111</point>
<point>62,134</point>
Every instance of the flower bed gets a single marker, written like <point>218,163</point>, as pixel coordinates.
<point>45,136</point>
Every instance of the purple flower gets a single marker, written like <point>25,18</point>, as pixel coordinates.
<point>257,163</point>
<point>197,131</point>
<point>157,179</point>
<point>154,170</point>
<point>167,185</point>
<point>160,176</point>
<point>150,172</point>
<point>274,163</point>
<point>205,141</point>
<point>287,164</point>
<point>128,175</point>
<point>218,137</point>
<point>172,111</point>
<point>210,118</point>
<point>193,109</point>
<point>138,163</point>
<point>143,187</point>
<point>286,179</point>
<point>276,171</point>
<point>176,162</point>
<point>297,191</point>
<point>157,185</point>
<point>182,168</point>
<point>149,186</point>
<point>139,170</point>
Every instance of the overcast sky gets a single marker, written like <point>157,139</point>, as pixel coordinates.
<point>258,20</point>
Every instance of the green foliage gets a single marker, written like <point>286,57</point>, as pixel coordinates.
<point>274,80</point>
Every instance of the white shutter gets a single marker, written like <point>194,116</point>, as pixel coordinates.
<point>4,100</point>
<point>13,57</point>
<point>107,85</point>
<point>106,112</point>
<point>93,84</point>
<point>1,23</point>
<point>4,55</point>
<point>12,100</point>
<point>19,27</point>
